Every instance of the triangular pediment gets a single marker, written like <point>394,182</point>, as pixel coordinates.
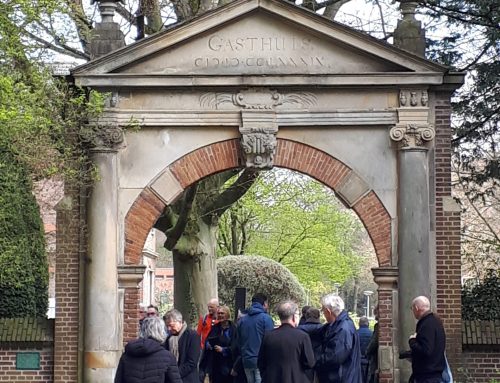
<point>258,37</point>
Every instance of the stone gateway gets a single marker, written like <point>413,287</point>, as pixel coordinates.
<point>263,83</point>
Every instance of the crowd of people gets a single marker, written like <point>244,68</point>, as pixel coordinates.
<point>252,350</point>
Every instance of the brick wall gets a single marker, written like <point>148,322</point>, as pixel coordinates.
<point>479,367</point>
<point>67,324</point>
<point>448,260</point>
<point>131,314</point>
<point>385,323</point>
<point>8,371</point>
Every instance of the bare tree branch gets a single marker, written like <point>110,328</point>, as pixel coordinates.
<point>63,49</point>
<point>174,233</point>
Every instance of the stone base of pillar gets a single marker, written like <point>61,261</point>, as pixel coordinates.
<point>100,366</point>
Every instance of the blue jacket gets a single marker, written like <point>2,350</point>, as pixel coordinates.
<point>251,330</point>
<point>365,334</point>
<point>340,360</point>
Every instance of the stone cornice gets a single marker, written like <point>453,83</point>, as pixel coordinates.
<point>158,118</point>
<point>127,80</point>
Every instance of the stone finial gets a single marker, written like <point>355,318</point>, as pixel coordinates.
<point>107,9</point>
<point>409,34</point>
<point>106,36</point>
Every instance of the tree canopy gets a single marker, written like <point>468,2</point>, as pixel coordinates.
<point>296,221</point>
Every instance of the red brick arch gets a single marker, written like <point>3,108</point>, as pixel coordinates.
<point>224,155</point>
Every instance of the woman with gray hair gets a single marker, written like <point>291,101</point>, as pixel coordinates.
<point>145,360</point>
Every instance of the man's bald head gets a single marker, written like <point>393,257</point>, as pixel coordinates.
<point>212,306</point>
<point>420,306</point>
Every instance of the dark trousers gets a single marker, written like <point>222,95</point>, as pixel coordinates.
<point>427,380</point>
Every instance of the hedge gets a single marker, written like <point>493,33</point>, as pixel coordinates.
<point>23,261</point>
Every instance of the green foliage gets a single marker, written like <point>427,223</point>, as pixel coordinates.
<point>481,301</point>
<point>299,223</point>
<point>471,45</point>
<point>23,263</point>
<point>256,274</point>
<point>40,120</point>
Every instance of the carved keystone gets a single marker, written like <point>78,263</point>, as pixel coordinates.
<point>258,138</point>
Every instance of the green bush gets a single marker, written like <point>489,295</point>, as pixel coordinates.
<point>23,261</point>
<point>256,274</point>
<point>481,301</point>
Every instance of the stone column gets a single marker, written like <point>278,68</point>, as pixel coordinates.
<point>102,332</point>
<point>413,219</point>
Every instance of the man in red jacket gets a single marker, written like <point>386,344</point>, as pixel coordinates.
<point>205,324</point>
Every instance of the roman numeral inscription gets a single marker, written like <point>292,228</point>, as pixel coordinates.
<point>273,51</point>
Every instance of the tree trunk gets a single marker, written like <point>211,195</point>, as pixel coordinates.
<point>195,273</point>
<point>355,296</point>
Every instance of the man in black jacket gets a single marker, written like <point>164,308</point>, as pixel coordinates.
<point>286,353</point>
<point>427,344</point>
<point>184,343</point>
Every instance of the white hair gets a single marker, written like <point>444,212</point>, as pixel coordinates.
<point>334,303</point>
<point>153,328</point>
<point>421,302</point>
<point>173,316</point>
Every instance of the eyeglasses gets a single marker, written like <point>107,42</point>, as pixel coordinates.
<point>151,314</point>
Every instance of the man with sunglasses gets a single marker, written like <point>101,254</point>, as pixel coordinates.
<point>152,311</point>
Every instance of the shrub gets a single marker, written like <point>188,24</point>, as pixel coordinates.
<point>23,261</point>
<point>481,301</point>
<point>256,274</point>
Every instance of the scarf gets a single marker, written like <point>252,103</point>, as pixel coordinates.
<point>173,342</point>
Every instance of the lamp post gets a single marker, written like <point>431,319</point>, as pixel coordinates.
<point>367,293</point>
<point>337,285</point>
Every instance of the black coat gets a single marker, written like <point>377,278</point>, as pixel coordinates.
<point>189,356</point>
<point>220,363</point>
<point>427,349</point>
<point>285,355</point>
<point>147,361</point>
<point>313,330</point>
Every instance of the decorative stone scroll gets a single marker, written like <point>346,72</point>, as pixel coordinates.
<point>412,135</point>
<point>259,99</point>
<point>259,127</point>
<point>99,137</point>
<point>413,98</point>
<point>258,138</point>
